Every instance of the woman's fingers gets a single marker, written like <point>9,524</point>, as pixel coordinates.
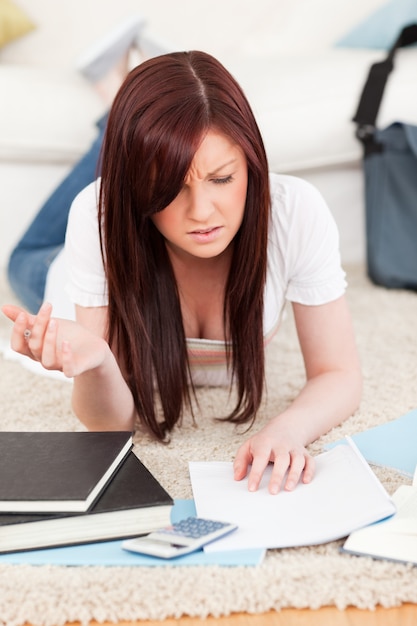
<point>35,336</point>
<point>58,344</point>
<point>21,333</point>
<point>11,311</point>
<point>295,469</point>
<point>288,466</point>
<point>38,330</point>
<point>260,462</point>
<point>22,328</point>
<point>281,463</point>
<point>68,360</point>
<point>255,460</point>
<point>309,469</point>
<point>49,356</point>
<point>242,460</point>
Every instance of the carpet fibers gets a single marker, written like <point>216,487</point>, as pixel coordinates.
<point>310,577</point>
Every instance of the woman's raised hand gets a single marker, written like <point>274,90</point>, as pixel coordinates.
<point>58,344</point>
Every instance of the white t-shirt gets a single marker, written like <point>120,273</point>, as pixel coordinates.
<point>303,263</point>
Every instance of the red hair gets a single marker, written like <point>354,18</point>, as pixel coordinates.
<point>157,122</point>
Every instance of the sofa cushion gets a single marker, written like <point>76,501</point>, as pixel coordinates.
<point>46,115</point>
<point>304,105</point>
<point>13,22</point>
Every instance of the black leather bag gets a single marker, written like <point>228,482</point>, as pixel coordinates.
<point>390,169</point>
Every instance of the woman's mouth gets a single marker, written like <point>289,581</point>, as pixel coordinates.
<point>205,235</point>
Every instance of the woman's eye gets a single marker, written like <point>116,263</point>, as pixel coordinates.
<point>222,181</point>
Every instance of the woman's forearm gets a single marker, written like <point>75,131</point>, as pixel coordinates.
<point>324,402</point>
<point>102,399</point>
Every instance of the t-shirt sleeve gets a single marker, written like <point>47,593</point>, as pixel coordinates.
<point>87,285</point>
<point>307,243</point>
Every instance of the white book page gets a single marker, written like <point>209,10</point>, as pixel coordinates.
<point>344,495</point>
<point>405,519</point>
<point>378,541</point>
<point>395,538</point>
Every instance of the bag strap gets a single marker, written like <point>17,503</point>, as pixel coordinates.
<point>373,90</point>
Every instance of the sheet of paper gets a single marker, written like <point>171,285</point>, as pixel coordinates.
<point>343,496</point>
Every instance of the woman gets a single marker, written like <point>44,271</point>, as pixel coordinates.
<point>187,250</point>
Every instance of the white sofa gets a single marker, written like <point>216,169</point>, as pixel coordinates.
<point>303,88</point>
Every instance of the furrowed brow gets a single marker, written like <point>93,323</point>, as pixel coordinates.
<point>221,167</point>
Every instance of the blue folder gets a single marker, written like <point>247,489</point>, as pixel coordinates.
<point>393,444</point>
<point>111,552</point>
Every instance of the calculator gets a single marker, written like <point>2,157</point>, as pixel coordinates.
<point>183,537</point>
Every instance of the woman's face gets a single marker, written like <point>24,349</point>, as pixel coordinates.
<point>207,213</point>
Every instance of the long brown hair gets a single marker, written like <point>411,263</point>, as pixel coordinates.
<point>156,124</point>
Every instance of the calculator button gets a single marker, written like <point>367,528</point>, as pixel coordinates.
<point>196,528</point>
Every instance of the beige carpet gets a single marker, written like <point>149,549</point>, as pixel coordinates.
<point>386,328</point>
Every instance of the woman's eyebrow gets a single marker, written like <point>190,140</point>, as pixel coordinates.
<point>218,169</point>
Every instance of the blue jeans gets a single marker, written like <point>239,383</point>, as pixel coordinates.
<point>30,260</point>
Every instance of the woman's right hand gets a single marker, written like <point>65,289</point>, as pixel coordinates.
<point>58,344</point>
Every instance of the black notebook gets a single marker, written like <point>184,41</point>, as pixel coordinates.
<point>133,503</point>
<point>57,471</point>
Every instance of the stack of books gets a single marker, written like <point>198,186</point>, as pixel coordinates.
<point>64,488</point>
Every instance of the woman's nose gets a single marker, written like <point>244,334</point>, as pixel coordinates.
<point>200,205</point>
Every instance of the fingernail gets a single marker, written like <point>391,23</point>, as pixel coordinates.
<point>51,325</point>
